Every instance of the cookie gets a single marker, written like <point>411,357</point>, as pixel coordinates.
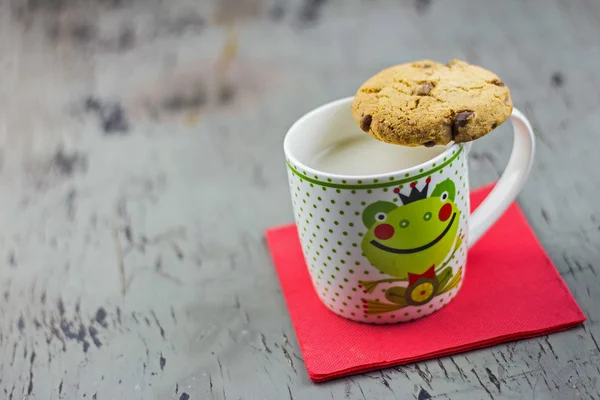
<point>426,103</point>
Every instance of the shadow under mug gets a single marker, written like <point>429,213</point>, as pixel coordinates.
<point>391,247</point>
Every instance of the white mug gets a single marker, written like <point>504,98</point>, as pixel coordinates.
<point>391,247</point>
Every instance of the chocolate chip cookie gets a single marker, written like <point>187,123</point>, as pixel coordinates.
<point>426,103</point>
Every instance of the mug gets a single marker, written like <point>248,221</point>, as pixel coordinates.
<point>391,247</point>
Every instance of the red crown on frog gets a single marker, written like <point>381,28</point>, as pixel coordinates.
<point>415,194</point>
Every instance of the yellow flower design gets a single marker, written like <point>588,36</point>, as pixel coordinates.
<point>422,292</point>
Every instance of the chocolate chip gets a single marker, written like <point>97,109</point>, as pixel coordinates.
<point>365,123</point>
<point>429,144</point>
<point>497,82</point>
<point>424,89</point>
<point>494,125</point>
<point>460,120</point>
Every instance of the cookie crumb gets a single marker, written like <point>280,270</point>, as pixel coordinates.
<point>365,123</point>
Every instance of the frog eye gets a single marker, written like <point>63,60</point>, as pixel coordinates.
<point>444,196</point>
<point>380,216</point>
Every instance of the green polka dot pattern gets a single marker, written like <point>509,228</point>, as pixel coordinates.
<point>331,230</point>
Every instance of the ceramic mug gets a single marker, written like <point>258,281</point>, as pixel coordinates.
<point>391,247</point>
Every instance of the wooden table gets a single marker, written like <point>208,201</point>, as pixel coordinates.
<point>141,162</point>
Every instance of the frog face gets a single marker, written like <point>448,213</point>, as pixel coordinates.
<point>415,236</point>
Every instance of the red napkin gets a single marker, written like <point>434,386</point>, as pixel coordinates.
<point>511,291</point>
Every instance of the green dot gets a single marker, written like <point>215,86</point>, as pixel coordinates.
<point>339,243</point>
<point>353,192</point>
<point>343,261</point>
<point>433,165</point>
<point>307,221</point>
<point>322,219</point>
<point>395,199</point>
<point>328,179</point>
<point>316,177</point>
<point>450,164</point>
<point>311,185</point>
<point>329,282</point>
<point>337,191</point>
<point>421,170</point>
<point>318,227</point>
<point>314,235</point>
<point>351,271</point>
<point>406,174</point>
<point>375,180</point>
<point>346,280</point>
<point>348,253</point>
<point>314,206</point>
<point>319,198</point>
<point>363,203</point>
<point>357,263</point>
<point>385,189</point>
<point>326,240</point>
<point>330,230</point>
<point>343,181</point>
<point>359,181</point>
<point>332,276</point>
<point>366,272</point>
<point>332,201</point>
<point>329,258</point>
<point>444,158</point>
<point>391,178</point>
<point>354,245</point>
<point>356,213</point>
<point>401,186</point>
<point>360,234</point>
<point>336,223</point>
<point>324,264</point>
<point>327,210</point>
<point>301,209</point>
<point>310,215</point>
<point>321,246</point>
<point>324,188</point>
<point>347,203</point>
<point>341,212</point>
<point>334,250</point>
<point>337,268</point>
<point>369,191</point>
<point>345,233</point>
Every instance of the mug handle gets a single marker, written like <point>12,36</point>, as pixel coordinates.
<point>511,181</point>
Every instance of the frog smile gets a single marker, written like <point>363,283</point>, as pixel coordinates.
<point>415,249</point>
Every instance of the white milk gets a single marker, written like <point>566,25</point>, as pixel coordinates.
<point>364,155</point>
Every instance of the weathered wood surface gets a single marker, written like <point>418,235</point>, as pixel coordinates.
<point>141,162</point>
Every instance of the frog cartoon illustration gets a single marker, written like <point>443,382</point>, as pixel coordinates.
<point>410,243</point>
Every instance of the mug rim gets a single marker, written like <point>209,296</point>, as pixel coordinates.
<point>309,170</point>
